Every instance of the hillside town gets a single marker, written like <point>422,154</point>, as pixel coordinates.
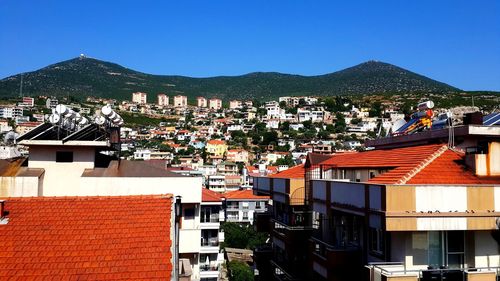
<point>319,189</point>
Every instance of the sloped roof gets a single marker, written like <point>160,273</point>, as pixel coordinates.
<point>424,164</point>
<point>216,142</point>
<point>208,195</point>
<point>448,169</point>
<point>296,172</point>
<point>243,194</point>
<point>77,238</point>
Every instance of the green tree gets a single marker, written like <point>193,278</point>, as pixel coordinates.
<point>242,236</point>
<point>287,160</point>
<point>340,125</point>
<point>239,271</point>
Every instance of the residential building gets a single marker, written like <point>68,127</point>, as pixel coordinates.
<point>23,128</point>
<point>417,212</point>
<point>162,100</point>
<point>237,156</point>
<point>235,104</point>
<point>139,97</point>
<point>216,183</point>
<point>242,205</point>
<point>27,102</point>
<point>407,210</point>
<point>201,101</point>
<point>51,102</point>
<point>313,115</point>
<point>10,112</point>
<point>227,168</point>
<point>76,168</point>
<point>273,110</point>
<point>70,238</point>
<point>289,221</point>
<point>216,149</point>
<point>211,215</point>
<point>180,101</point>
<point>4,126</point>
<point>215,104</point>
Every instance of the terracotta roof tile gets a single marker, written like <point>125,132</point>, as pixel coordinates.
<point>425,164</point>
<point>243,194</point>
<point>208,195</point>
<point>448,169</point>
<point>87,238</point>
<point>297,172</point>
<point>216,142</point>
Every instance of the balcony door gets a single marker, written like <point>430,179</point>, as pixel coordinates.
<point>446,248</point>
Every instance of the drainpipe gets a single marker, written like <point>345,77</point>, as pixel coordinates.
<point>178,209</point>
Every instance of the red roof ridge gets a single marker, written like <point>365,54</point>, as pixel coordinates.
<point>422,165</point>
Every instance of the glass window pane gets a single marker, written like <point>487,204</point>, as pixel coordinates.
<point>435,249</point>
<point>455,241</point>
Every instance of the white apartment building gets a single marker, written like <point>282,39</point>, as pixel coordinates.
<point>11,112</point>
<point>180,101</point>
<point>273,109</point>
<point>215,104</point>
<point>162,100</point>
<point>310,115</point>
<point>139,97</point>
<point>211,215</point>
<point>201,102</point>
<point>235,104</point>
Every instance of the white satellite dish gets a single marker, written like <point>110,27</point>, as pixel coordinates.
<point>54,118</point>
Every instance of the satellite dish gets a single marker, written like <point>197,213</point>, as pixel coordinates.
<point>10,137</point>
<point>398,124</point>
<point>99,120</point>
<point>54,118</point>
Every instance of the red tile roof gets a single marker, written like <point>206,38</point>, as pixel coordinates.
<point>216,142</point>
<point>87,238</point>
<point>208,195</point>
<point>447,169</point>
<point>296,172</point>
<point>425,164</point>
<point>243,194</point>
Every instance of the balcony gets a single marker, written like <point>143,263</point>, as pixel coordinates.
<point>397,271</point>
<point>336,262</point>
<point>282,272</point>
<point>210,221</point>
<point>262,221</point>
<point>210,245</point>
<point>209,271</point>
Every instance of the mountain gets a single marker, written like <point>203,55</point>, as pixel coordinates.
<point>84,76</point>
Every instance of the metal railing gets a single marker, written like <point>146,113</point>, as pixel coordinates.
<point>211,219</point>
<point>206,267</point>
<point>210,242</point>
<point>435,274</point>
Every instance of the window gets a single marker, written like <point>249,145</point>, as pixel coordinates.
<point>377,244</point>
<point>64,156</point>
<point>189,213</point>
<point>245,215</point>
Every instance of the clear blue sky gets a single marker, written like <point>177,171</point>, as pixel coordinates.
<point>454,41</point>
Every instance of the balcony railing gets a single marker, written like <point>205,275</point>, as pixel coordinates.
<point>321,247</point>
<point>210,242</point>
<point>214,218</point>
<point>206,267</point>
<point>281,274</point>
<point>398,269</point>
<point>291,225</point>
